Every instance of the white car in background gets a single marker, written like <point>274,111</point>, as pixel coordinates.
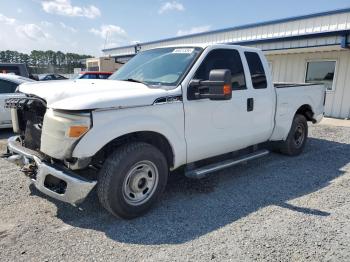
<point>8,86</point>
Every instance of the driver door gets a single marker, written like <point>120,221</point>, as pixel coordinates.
<point>217,127</point>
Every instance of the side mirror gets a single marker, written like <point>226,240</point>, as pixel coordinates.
<point>218,87</point>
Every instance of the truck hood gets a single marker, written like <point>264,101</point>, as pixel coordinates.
<point>93,94</point>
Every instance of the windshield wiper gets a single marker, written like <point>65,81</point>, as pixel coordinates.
<point>134,80</point>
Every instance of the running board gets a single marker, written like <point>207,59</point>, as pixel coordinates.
<point>206,170</point>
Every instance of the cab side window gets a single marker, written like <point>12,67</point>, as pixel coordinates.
<point>7,87</point>
<point>224,59</point>
<point>256,69</point>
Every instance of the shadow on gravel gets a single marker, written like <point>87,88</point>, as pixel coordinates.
<point>191,209</point>
<point>5,133</point>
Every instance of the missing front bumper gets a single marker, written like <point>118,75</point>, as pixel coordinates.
<point>52,180</point>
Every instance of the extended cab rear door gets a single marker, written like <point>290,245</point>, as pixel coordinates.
<point>263,95</point>
<point>216,127</point>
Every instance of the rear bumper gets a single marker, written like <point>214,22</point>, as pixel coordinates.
<point>74,189</point>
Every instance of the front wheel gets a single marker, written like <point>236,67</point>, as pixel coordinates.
<point>132,179</point>
<point>297,137</point>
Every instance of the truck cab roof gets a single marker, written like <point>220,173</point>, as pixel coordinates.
<point>212,46</point>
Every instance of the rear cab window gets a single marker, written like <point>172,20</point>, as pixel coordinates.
<point>256,69</point>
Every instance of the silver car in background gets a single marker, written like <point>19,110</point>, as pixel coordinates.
<point>8,86</point>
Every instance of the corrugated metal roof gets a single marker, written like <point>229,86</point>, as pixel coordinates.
<point>331,21</point>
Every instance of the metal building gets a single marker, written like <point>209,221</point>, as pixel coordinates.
<point>310,48</point>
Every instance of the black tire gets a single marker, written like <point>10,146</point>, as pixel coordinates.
<point>297,137</point>
<point>116,187</point>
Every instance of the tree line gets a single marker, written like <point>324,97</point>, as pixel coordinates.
<point>45,61</point>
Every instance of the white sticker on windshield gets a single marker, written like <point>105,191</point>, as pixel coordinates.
<point>183,51</point>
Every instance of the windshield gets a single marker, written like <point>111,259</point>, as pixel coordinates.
<point>163,66</point>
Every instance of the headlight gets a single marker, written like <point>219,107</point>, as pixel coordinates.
<point>61,131</point>
<point>71,125</point>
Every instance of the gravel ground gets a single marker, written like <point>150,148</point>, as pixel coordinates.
<point>277,209</point>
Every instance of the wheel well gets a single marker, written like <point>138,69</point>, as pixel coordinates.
<point>157,140</point>
<point>306,111</point>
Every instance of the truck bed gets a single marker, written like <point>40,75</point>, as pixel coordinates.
<point>289,100</point>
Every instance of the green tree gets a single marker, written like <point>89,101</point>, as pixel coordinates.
<point>44,61</point>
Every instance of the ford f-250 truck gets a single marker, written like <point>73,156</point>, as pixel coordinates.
<point>202,108</point>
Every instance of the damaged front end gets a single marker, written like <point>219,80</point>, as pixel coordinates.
<point>27,115</point>
<point>49,174</point>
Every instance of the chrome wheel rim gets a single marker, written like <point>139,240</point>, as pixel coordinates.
<point>140,183</point>
<point>299,135</point>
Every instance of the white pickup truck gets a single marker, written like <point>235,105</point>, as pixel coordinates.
<point>202,108</point>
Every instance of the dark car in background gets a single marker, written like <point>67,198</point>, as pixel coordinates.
<point>47,77</point>
<point>93,75</point>
<point>14,68</point>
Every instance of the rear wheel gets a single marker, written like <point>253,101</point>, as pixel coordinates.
<point>297,137</point>
<point>132,179</point>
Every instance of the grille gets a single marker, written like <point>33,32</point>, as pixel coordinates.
<point>30,117</point>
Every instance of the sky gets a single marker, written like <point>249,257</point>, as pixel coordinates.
<point>86,27</point>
